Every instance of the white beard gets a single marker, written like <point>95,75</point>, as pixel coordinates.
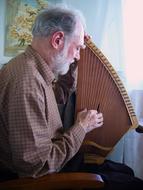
<point>60,64</point>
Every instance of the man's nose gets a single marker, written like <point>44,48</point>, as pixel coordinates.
<point>77,56</point>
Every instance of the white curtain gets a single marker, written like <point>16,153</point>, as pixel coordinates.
<point>133,45</point>
<point>120,39</point>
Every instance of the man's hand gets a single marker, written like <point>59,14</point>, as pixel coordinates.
<point>89,119</point>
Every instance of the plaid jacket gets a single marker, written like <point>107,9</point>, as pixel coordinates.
<point>32,141</point>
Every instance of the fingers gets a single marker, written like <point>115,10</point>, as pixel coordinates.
<point>90,119</point>
<point>86,36</point>
<point>97,119</point>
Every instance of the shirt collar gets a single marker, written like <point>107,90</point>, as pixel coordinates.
<point>42,65</point>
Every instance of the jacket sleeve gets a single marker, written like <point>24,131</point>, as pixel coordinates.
<point>38,144</point>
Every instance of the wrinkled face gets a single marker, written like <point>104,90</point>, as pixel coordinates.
<point>70,51</point>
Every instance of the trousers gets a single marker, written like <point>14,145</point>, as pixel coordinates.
<point>115,175</point>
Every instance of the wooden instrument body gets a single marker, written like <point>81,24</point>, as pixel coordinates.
<point>99,84</point>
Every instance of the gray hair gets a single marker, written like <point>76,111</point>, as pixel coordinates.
<point>57,18</point>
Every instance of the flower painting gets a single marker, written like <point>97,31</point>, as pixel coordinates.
<point>20,15</point>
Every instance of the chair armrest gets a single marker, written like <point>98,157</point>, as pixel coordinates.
<point>55,181</point>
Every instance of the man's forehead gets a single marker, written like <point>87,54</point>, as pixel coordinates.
<point>79,41</point>
<point>79,30</point>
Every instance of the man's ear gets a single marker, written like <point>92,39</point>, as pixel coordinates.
<point>57,39</point>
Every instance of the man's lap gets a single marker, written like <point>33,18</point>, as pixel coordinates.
<point>116,175</point>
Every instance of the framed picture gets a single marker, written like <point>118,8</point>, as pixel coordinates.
<point>20,15</point>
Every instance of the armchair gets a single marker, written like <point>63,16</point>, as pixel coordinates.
<point>57,181</point>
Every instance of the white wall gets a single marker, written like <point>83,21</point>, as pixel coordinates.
<point>88,9</point>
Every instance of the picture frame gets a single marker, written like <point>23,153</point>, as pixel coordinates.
<point>19,18</point>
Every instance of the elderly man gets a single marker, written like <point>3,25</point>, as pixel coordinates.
<point>32,140</point>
